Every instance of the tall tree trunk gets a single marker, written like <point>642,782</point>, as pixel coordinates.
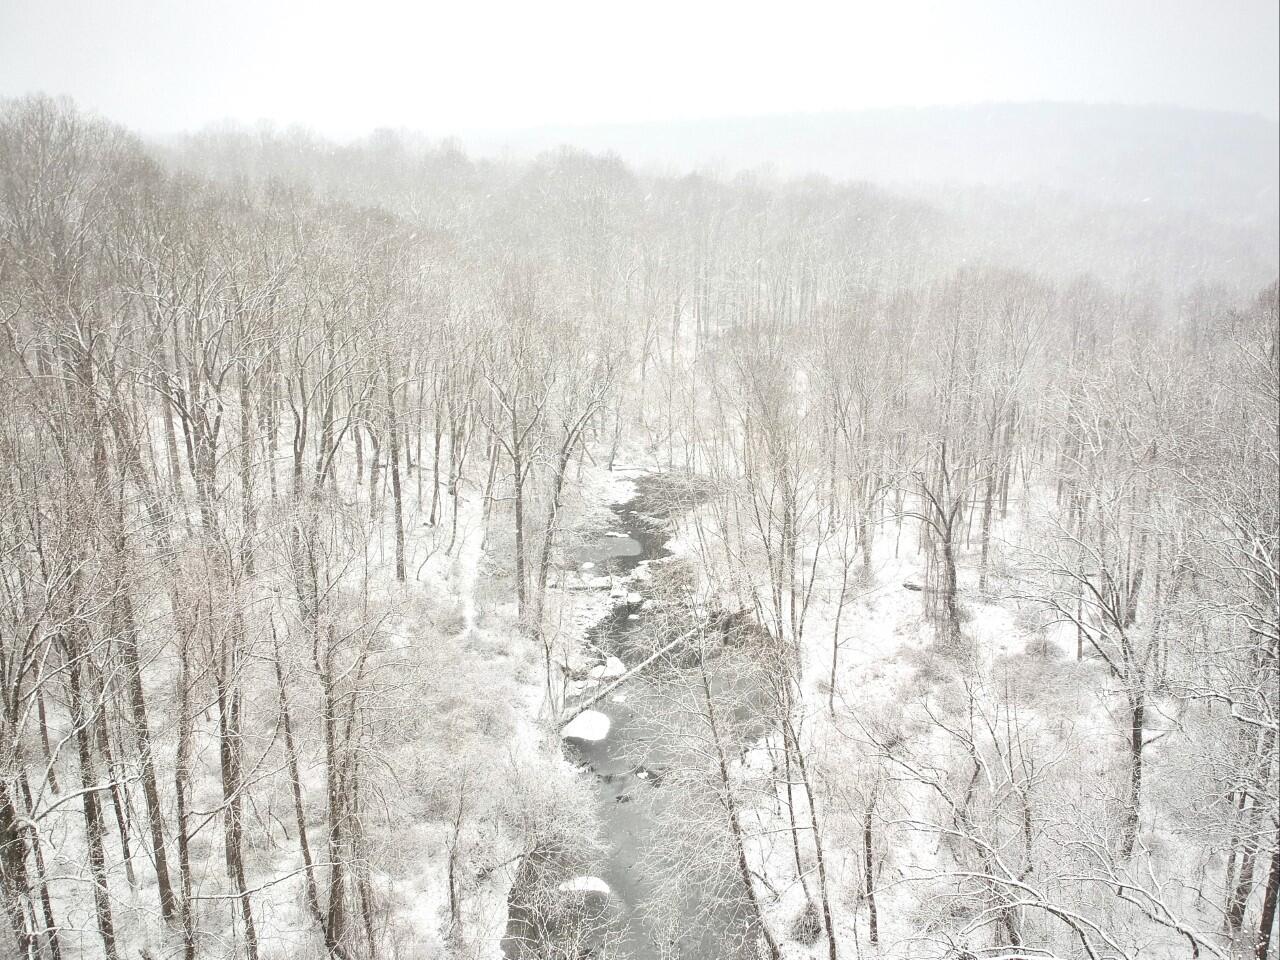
<point>1137,742</point>
<point>950,606</point>
<point>181,781</point>
<point>1267,921</point>
<point>119,803</point>
<point>375,474</point>
<point>1252,831</point>
<point>228,698</point>
<point>827,923</point>
<point>357,437</point>
<point>735,823</point>
<point>794,831</point>
<point>869,867</point>
<point>490,477</point>
<point>435,467</point>
<point>267,416</point>
<point>393,435</point>
<point>51,938</point>
<point>835,637</point>
<point>248,519</point>
<point>93,827</point>
<point>548,540</point>
<point>459,442</point>
<point>301,422</point>
<point>518,478</point>
<point>312,890</point>
<point>171,450</point>
<point>14,888</point>
<point>988,504</point>
<point>335,924</point>
<point>142,734</point>
<point>43,718</point>
<point>323,460</point>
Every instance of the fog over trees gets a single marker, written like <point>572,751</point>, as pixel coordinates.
<point>408,553</point>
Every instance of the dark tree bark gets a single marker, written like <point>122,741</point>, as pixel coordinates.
<point>1137,743</point>
<point>827,922</point>
<point>142,733</point>
<point>14,890</point>
<point>393,435</point>
<point>83,717</point>
<point>1267,920</point>
<point>229,746</point>
<point>295,781</point>
<point>869,880</point>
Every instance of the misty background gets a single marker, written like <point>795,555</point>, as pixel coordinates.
<point>1148,129</point>
<point>454,69</point>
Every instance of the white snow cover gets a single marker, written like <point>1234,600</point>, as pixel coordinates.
<point>589,725</point>
<point>610,669</point>
<point>585,885</point>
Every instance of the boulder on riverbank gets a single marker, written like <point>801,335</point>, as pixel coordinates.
<point>590,725</point>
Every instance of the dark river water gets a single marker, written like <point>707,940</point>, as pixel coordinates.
<point>636,805</point>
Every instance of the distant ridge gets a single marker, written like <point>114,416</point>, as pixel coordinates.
<point>1169,156</point>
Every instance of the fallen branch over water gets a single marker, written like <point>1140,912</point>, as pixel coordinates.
<point>601,694</point>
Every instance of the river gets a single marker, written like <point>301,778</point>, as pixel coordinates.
<point>637,806</point>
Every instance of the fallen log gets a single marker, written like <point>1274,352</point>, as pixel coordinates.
<point>599,695</point>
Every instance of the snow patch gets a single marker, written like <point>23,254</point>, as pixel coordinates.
<point>585,885</point>
<point>589,725</point>
<point>613,667</point>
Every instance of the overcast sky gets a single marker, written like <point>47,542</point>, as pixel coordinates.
<point>345,68</point>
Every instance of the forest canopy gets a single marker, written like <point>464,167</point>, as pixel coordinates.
<point>955,623</point>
